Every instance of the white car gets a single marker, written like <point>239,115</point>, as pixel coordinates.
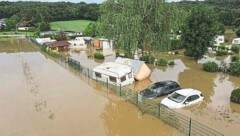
<point>182,98</point>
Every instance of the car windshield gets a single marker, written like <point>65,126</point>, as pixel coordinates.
<point>155,86</point>
<point>177,97</point>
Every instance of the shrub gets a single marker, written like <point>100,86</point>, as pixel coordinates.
<point>171,63</point>
<point>234,69</point>
<point>98,56</point>
<point>176,44</point>
<point>210,66</point>
<point>176,52</point>
<point>235,48</point>
<point>235,58</point>
<point>222,47</point>
<point>162,62</point>
<point>148,59</point>
<point>221,52</point>
<point>235,96</point>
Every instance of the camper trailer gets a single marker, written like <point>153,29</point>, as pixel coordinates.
<point>236,41</point>
<point>78,43</point>
<point>219,40</point>
<point>114,73</point>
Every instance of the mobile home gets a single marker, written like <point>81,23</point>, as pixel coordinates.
<point>114,73</point>
<point>78,43</point>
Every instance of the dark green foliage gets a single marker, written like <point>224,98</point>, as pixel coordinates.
<point>199,32</point>
<point>162,62</point>
<point>234,69</point>
<point>210,66</point>
<point>176,44</point>
<point>98,56</point>
<point>238,32</point>
<point>91,30</point>
<point>221,52</point>
<point>49,11</point>
<point>171,63</point>
<point>176,52</point>
<point>235,96</point>
<point>148,59</point>
<point>235,58</point>
<point>44,26</point>
<point>235,48</point>
<point>222,47</point>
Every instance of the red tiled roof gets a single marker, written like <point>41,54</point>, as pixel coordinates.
<point>57,44</point>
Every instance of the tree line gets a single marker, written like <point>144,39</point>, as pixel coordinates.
<point>49,11</point>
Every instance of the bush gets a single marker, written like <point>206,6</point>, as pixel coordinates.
<point>210,66</point>
<point>221,52</point>
<point>235,48</point>
<point>234,69</point>
<point>222,47</point>
<point>162,62</point>
<point>98,56</point>
<point>235,96</point>
<point>148,59</point>
<point>176,52</point>
<point>171,63</point>
<point>176,44</point>
<point>235,58</point>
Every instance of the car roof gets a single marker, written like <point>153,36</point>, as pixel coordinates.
<point>167,82</point>
<point>188,92</point>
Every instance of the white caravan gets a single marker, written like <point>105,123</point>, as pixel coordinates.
<point>114,73</point>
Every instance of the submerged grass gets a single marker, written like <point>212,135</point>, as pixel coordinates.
<point>11,45</point>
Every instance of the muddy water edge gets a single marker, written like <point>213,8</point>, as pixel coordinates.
<point>39,97</point>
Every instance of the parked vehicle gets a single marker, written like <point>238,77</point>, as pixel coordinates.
<point>158,89</point>
<point>182,98</point>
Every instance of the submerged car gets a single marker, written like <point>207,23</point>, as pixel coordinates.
<point>182,98</point>
<point>160,88</point>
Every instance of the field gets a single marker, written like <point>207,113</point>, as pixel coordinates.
<point>74,25</point>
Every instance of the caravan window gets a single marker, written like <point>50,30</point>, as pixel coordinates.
<point>112,79</point>
<point>130,75</point>
<point>98,75</point>
<point>123,78</point>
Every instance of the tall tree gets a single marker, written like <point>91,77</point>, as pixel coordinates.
<point>199,32</point>
<point>144,24</point>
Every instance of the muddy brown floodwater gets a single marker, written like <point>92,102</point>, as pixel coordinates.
<point>216,111</point>
<point>40,98</point>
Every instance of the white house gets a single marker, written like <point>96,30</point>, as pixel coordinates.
<point>78,43</point>
<point>44,40</point>
<point>219,39</point>
<point>140,70</point>
<point>236,41</point>
<point>114,73</point>
<point>25,25</point>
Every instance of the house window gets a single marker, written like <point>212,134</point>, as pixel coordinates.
<point>130,75</point>
<point>123,78</point>
<point>98,75</point>
<point>112,79</point>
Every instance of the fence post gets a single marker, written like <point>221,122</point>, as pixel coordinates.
<point>120,89</point>
<point>190,126</point>
<point>159,110</point>
<point>136,98</point>
<point>107,83</point>
<point>88,71</point>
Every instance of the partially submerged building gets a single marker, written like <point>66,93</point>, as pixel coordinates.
<point>114,73</point>
<point>44,40</point>
<point>78,43</point>
<point>57,45</point>
<point>140,70</point>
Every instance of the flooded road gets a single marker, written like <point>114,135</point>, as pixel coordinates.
<point>40,98</point>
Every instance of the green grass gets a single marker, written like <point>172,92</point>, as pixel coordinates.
<point>16,33</point>
<point>74,25</point>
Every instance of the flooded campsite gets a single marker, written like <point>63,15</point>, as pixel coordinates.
<point>39,97</point>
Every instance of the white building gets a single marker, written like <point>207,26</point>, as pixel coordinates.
<point>44,40</point>
<point>78,43</point>
<point>114,73</point>
<point>219,39</point>
<point>236,41</point>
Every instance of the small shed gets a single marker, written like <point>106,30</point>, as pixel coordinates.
<point>140,70</point>
<point>236,41</point>
<point>102,43</point>
<point>57,45</point>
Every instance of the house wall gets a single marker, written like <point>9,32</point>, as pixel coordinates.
<point>23,28</point>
